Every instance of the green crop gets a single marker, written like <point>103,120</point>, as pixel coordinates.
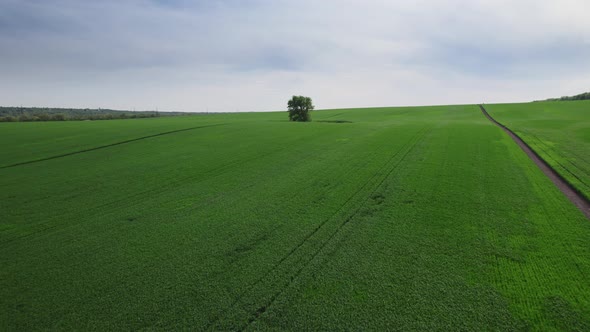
<point>426,218</point>
<point>558,131</point>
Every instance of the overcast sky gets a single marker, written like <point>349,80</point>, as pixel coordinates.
<point>252,55</point>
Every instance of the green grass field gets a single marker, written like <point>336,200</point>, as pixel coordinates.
<point>427,218</point>
<point>558,131</point>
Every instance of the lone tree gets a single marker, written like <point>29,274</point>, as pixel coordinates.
<point>299,107</point>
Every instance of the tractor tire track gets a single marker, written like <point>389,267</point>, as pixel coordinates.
<point>573,194</point>
<point>261,310</point>
<point>108,145</point>
<point>528,132</point>
<point>412,142</point>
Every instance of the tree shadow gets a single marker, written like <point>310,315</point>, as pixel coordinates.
<point>334,121</point>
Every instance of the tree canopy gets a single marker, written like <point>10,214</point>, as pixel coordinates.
<point>299,107</point>
<point>581,96</point>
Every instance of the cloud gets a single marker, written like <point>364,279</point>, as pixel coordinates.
<point>253,55</point>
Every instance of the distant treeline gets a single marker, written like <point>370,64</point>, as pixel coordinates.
<point>581,96</point>
<point>24,114</point>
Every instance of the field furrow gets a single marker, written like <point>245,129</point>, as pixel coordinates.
<point>106,146</point>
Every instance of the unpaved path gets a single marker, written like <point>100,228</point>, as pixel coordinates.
<point>566,188</point>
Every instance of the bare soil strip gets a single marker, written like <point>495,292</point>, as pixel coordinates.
<point>108,145</point>
<point>566,188</point>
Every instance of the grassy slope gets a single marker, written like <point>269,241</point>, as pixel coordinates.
<point>420,218</point>
<point>558,131</point>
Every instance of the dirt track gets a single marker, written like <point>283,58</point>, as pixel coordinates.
<point>566,188</point>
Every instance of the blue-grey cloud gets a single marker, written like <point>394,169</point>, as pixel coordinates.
<point>189,55</point>
<point>567,56</point>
